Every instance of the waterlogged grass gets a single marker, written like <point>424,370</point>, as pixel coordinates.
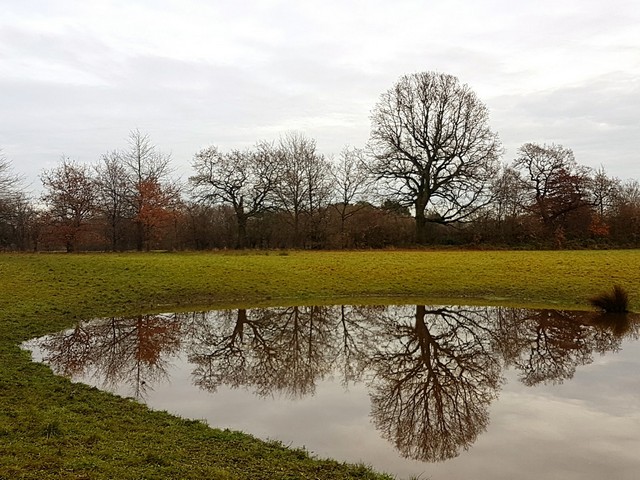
<point>51,428</point>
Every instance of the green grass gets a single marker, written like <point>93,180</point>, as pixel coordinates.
<point>51,428</point>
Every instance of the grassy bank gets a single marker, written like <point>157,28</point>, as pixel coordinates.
<point>50,428</point>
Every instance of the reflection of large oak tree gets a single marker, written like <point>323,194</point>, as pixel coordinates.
<point>436,375</point>
<point>132,351</point>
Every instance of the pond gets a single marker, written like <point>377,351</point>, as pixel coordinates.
<point>440,392</point>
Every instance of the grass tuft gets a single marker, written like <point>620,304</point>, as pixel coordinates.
<point>52,429</point>
<point>615,301</point>
<point>153,459</point>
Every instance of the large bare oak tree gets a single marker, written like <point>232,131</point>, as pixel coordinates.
<point>432,148</point>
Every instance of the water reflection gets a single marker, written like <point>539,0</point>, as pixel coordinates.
<point>546,346</point>
<point>282,350</point>
<point>118,350</point>
<point>432,372</point>
<point>435,378</point>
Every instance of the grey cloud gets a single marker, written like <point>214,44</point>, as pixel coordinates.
<point>183,105</point>
<point>76,55</point>
<point>598,120</point>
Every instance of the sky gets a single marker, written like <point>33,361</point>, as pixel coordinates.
<point>77,76</point>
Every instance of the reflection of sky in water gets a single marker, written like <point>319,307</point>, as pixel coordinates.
<point>587,427</point>
<point>332,423</point>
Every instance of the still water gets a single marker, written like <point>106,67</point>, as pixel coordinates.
<point>441,392</point>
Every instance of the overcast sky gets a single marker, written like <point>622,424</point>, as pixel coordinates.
<point>76,76</point>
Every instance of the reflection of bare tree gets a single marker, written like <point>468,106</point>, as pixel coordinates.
<point>356,337</point>
<point>283,350</point>
<point>305,342</point>
<point>220,351</point>
<point>546,346</point>
<point>133,351</point>
<point>551,344</point>
<point>435,378</point>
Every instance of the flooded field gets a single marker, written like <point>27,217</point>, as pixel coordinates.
<point>446,392</point>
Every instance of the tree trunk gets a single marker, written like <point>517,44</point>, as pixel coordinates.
<point>421,229</point>
<point>423,226</point>
<point>114,234</point>
<point>139,236</point>
<point>242,231</point>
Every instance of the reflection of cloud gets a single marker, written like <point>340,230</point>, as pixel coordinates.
<point>573,441</point>
<point>609,384</point>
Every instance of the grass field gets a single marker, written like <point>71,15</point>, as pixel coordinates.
<point>51,428</point>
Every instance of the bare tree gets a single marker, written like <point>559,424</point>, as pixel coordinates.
<point>433,148</point>
<point>16,209</point>
<point>242,179</point>
<point>18,225</point>
<point>504,215</point>
<point>143,160</point>
<point>604,191</point>
<point>303,186</point>
<point>625,217</point>
<point>509,194</point>
<point>9,181</point>
<point>351,184</point>
<point>70,196</point>
<point>112,190</point>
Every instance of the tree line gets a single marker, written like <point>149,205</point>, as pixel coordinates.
<point>431,173</point>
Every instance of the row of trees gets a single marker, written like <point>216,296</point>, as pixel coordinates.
<point>431,173</point>
<point>274,195</point>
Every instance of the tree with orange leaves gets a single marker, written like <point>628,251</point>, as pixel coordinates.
<point>70,196</point>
